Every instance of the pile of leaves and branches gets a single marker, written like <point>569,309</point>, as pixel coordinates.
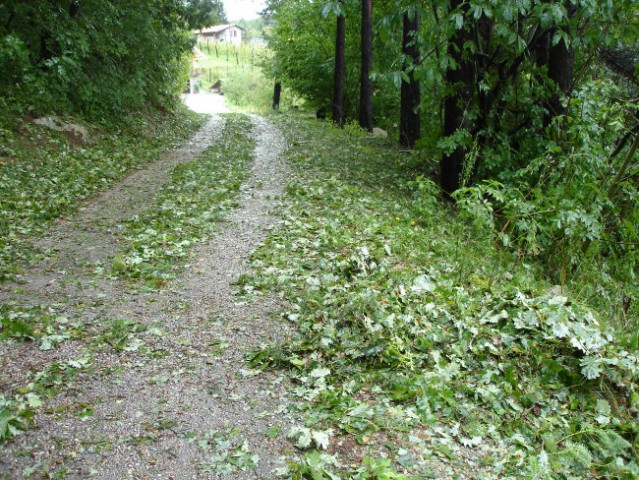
<point>423,350</point>
<point>530,110</point>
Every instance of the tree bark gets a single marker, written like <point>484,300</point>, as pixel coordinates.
<point>409,122</point>
<point>561,59</point>
<point>459,82</point>
<point>542,48</point>
<point>340,63</point>
<point>366,85</point>
<point>74,8</point>
<point>277,93</point>
<point>560,67</point>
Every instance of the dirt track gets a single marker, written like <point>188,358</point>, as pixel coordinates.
<point>157,416</point>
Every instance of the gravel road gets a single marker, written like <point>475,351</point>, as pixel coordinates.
<point>191,410</point>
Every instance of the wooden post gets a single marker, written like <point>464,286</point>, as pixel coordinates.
<point>366,85</point>
<point>277,92</point>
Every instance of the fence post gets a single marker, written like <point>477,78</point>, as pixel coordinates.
<point>277,92</point>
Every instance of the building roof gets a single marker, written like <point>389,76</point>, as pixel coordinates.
<point>219,28</point>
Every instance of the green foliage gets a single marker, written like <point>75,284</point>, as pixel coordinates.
<point>553,188</point>
<point>96,58</point>
<point>319,466</point>
<point>249,90</point>
<point>39,323</point>
<point>44,176</point>
<point>18,408</point>
<point>230,453</point>
<point>568,206</point>
<point>302,41</point>
<point>204,13</point>
<point>411,325</point>
<point>119,334</point>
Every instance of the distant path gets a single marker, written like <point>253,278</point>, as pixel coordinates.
<point>152,414</point>
<point>206,102</point>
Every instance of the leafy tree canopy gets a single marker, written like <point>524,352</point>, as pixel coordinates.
<point>98,57</point>
<point>204,13</point>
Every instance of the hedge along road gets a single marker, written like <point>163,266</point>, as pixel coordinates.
<point>185,405</point>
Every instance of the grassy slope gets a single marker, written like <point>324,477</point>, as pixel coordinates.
<point>421,342</point>
<point>44,176</point>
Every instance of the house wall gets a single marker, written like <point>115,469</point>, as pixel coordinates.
<point>232,35</point>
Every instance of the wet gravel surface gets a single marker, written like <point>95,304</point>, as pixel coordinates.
<point>185,406</point>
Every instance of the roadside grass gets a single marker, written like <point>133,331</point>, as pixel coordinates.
<point>44,176</point>
<point>199,194</point>
<point>423,347</point>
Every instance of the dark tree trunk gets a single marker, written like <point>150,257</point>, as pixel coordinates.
<point>542,48</point>
<point>483,33</point>
<point>366,85</point>
<point>409,121</point>
<point>460,92</point>
<point>560,60</point>
<point>560,67</point>
<point>74,8</point>
<point>277,93</point>
<point>340,63</point>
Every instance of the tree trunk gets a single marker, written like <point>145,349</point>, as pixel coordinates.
<point>561,58</point>
<point>340,63</point>
<point>560,66</point>
<point>74,8</point>
<point>542,48</point>
<point>366,85</point>
<point>409,121</point>
<point>277,93</point>
<point>459,83</point>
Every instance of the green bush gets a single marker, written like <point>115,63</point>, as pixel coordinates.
<point>249,89</point>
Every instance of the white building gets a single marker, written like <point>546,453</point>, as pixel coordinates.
<point>232,34</point>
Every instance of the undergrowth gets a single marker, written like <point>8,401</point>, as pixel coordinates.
<point>423,346</point>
